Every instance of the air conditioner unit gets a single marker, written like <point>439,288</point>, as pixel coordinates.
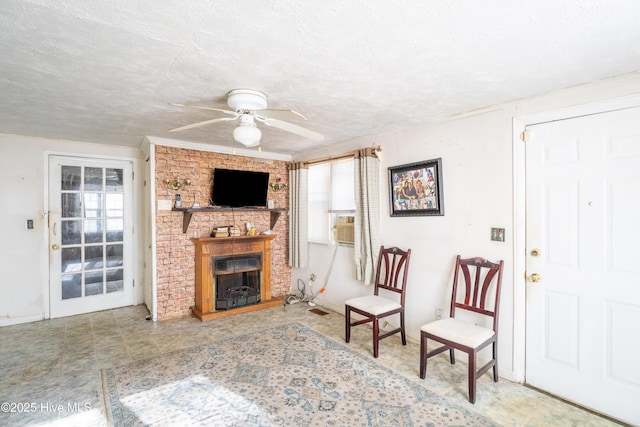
<point>344,229</point>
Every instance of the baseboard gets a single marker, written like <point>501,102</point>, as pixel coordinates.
<point>8,321</point>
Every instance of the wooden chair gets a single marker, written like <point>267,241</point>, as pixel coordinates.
<point>391,275</point>
<point>480,297</point>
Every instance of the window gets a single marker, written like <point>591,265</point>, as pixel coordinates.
<point>331,198</point>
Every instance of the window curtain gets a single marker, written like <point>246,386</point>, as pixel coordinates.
<point>367,218</point>
<point>299,214</point>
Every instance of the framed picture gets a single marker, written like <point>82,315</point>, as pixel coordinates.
<point>415,189</point>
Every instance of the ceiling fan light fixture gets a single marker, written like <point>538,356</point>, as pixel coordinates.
<point>246,99</point>
<point>247,106</point>
<point>247,134</point>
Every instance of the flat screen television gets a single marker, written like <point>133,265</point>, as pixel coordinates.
<point>239,188</point>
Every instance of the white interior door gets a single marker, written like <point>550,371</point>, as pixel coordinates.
<point>90,235</point>
<point>583,218</point>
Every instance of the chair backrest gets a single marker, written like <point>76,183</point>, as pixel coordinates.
<point>478,295</point>
<point>391,272</point>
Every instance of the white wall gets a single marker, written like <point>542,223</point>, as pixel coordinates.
<point>24,254</point>
<point>482,174</point>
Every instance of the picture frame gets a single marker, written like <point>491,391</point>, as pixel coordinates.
<point>415,189</point>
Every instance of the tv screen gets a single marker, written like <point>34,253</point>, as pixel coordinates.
<point>238,188</point>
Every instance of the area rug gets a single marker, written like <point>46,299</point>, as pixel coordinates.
<point>288,375</point>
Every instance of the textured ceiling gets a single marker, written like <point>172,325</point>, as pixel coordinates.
<point>106,71</point>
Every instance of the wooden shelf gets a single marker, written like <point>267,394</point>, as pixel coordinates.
<point>187,213</point>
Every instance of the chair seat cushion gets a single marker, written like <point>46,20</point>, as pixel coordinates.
<point>458,331</point>
<point>373,304</point>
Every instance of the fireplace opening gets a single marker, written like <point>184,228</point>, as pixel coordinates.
<point>237,280</point>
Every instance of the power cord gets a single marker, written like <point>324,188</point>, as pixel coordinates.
<point>302,295</point>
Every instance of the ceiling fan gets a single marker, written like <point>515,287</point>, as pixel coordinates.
<point>248,106</point>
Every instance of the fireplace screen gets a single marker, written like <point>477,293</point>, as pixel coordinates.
<point>237,280</point>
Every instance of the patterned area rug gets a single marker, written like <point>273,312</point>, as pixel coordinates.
<point>289,375</point>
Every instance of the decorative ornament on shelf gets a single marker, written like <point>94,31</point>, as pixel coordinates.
<point>176,184</point>
<point>278,186</point>
<point>251,230</point>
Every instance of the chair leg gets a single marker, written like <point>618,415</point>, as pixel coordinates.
<point>402,333</point>
<point>472,377</point>
<point>347,324</point>
<point>376,333</point>
<point>452,356</point>
<point>495,361</point>
<point>423,355</point>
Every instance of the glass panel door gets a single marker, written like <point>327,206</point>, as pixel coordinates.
<point>90,203</point>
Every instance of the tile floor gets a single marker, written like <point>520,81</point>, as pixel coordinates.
<point>50,370</point>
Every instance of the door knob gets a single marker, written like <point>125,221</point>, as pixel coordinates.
<point>535,277</point>
<point>55,246</point>
<point>535,252</point>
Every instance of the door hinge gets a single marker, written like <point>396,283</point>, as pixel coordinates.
<point>525,136</point>
<point>134,283</point>
<point>133,175</point>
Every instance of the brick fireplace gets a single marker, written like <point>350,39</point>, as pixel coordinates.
<point>175,251</point>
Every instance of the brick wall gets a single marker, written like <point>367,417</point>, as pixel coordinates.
<point>176,252</point>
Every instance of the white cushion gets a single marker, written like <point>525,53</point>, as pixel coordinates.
<point>458,331</point>
<point>373,304</point>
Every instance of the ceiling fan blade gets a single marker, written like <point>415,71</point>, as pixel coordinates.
<point>298,130</point>
<point>206,122</point>
<point>200,107</point>
<point>279,114</point>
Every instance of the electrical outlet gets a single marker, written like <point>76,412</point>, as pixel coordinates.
<point>438,314</point>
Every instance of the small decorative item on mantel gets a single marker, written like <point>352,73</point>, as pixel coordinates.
<point>220,232</point>
<point>251,230</point>
<point>234,230</point>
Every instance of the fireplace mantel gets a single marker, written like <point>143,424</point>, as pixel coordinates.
<point>208,247</point>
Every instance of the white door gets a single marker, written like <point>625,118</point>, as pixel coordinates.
<point>583,218</point>
<point>90,235</point>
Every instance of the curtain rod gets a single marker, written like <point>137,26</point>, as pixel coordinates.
<point>339,157</point>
